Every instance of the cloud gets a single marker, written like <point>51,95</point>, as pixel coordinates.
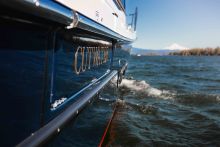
<point>176,46</point>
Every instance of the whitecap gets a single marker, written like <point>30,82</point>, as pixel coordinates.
<point>144,87</point>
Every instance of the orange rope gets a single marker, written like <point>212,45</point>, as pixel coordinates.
<point>108,127</point>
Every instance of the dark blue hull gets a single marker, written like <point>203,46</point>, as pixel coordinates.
<point>46,77</point>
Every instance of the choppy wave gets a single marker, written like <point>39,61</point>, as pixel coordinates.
<point>198,98</point>
<point>183,111</point>
<point>143,108</point>
<point>145,88</point>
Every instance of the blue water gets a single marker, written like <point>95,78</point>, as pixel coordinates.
<point>171,101</point>
<point>164,101</point>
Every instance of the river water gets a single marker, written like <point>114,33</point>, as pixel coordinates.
<point>169,101</point>
<point>163,101</point>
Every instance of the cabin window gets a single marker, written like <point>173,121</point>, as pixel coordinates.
<point>120,4</point>
<point>123,3</point>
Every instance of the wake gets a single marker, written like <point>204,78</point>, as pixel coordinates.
<point>145,88</point>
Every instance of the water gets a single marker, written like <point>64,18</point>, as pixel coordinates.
<point>164,101</point>
<point>169,101</point>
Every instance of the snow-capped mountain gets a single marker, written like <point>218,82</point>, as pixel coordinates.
<point>175,46</point>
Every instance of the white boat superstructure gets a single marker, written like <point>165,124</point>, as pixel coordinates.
<point>109,13</point>
<point>98,19</point>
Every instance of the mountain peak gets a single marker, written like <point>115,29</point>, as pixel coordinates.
<point>176,46</point>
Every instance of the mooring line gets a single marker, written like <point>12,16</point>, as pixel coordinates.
<point>104,136</point>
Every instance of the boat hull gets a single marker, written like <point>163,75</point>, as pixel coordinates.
<point>49,73</point>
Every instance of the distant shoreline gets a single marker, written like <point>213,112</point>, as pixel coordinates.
<point>197,52</point>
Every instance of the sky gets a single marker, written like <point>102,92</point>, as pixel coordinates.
<point>189,23</point>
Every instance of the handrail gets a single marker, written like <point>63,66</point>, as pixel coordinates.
<point>54,126</point>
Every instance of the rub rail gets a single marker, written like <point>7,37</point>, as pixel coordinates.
<point>54,126</point>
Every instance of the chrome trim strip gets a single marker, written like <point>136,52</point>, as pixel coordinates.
<point>47,9</point>
<point>54,126</point>
<point>91,41</point>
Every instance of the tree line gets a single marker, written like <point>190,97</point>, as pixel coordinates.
<point>198,52</point>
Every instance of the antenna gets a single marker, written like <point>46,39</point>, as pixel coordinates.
<point>135,18</point>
